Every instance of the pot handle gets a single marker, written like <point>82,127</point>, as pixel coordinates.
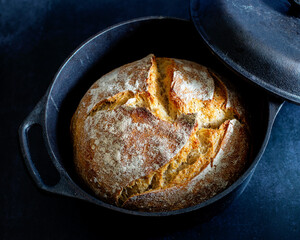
<point>275,105</point>
<point>65,185</point>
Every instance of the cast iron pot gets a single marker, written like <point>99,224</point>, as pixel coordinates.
<point>112,48</point>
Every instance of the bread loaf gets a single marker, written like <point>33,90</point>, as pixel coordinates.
<point>160,134</point>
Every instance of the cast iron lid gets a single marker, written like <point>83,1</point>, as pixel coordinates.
<point>258,39</point>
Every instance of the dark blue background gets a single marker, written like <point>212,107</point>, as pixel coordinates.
<point>35,38</point>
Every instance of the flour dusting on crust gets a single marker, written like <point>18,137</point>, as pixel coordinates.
<point>132,143</point>
<point>130,77</point>
<point>192,81</point>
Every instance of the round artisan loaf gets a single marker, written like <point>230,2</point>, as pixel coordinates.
<point>160,134</point>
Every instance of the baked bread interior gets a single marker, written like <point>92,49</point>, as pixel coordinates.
<point>160,134</point>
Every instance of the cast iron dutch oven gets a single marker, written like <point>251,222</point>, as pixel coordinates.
<point>112,48</point>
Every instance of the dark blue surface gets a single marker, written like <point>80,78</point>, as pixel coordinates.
<point>35,38</point>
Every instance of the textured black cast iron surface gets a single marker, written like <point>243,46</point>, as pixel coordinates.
<point>35,38</point>
<point>260,39</point>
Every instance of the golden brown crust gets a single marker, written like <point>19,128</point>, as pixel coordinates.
<point>132,145</point>
<point>226,168</point>
<point>159,134</point>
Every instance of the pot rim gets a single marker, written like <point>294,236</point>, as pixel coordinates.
<point>88,197</point>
